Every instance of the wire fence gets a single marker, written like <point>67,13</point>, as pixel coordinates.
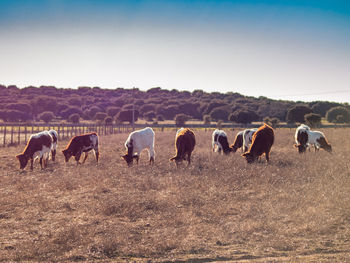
<point>12,134</point>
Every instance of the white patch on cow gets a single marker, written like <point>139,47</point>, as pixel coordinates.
<point>247,138</point>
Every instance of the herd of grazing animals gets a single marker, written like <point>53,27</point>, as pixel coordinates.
<point>44,144</point>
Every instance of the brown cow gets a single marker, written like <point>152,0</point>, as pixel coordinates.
<point>38,146</point>
<point>79,144</point>
<point>238,143</point>
<point>262,141</point>
<point>185,141</point>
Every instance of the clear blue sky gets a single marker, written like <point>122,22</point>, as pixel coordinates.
<point>297,50</point>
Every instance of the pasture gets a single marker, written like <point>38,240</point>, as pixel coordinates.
<point>296,209</point>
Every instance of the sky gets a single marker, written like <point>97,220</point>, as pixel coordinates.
<point>290,50</point>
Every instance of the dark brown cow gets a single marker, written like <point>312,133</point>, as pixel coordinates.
<point>79,144</point>
<point>185,141</point>
<point>262,141</point>
<point>38,146</point>
<point>238,143</point>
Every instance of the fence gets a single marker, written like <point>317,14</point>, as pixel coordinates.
<point>17,133</point>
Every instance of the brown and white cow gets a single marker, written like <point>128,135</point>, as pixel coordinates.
<point>262,142</point>
<point>220,142</point>
<point>38,146</point>
<point>301,138</point>
<point>238,142</point>
<point>79,144</point>
<point>185,141</point>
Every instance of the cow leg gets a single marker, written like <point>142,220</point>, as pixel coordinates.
<point>31,164</point>
<point>97,154</point>
<point>41,162</point>
<point>53,153</point>
<point>151,160</point>
<point>77,157</point>
<point>188,159</point>
<point>267,156</point>
<point>86,156</point>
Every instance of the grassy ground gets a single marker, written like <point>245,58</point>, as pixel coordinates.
<point>296,209</point>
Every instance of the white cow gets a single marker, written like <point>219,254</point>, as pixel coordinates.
<point>137,142</point>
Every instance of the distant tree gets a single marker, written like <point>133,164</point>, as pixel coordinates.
<point>296,113</point>
<point>340,119</point>
<point>274,122</point>
<point>149,116</point>
<point>332,114</point>
<point>244,116</point>
<point>180,119</point>
<point>46,116</point>
<point>219,113</point>
<point>113,111</point>
<point>160,117</point>
<point>168,112</point>
<point>321,107</point>
<point>126,115</point>
<point>25,107</point>
<point>69,111</point>
<point>206,119</point>
<point>100,116</point>
<point>74,118</point>
<point>15,115</point>
<point>92,111</point>
<point>313,119</point>
<point>108,120</point>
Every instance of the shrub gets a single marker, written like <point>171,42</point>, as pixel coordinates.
<point>160,117</point>
<point>332,114</point>
<point>74,118</point>
<point>108,120</point>
<point>100,116</point>
<point>220,113</point>
<point>69,111</point>
<point>206,119</point>
<point>313,119</point>
<point>244,116</point>
<point>296,113</point>
<point>149,116</point>
<point>180,119</point>
<point>113,111</point>
<point>46,116</point>
<point>126,115</point>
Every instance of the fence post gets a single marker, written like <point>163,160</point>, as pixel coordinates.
<point>5,128</point>
<point>11,134</point>
<point>19,134</point>
<point>25,134</point>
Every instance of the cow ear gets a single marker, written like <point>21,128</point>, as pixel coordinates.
<point>296,146</point>
<point>123,156</point>
<point>134,156</point>
<point>18,155</point>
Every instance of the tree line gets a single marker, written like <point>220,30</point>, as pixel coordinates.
<point>48,103</point>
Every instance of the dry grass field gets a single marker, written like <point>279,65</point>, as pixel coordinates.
<point>220,209</point>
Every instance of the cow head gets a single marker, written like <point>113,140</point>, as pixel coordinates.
<point>67,154</point>
<point>250,157</point>
<point>23,160</point>
<point>301,148</point>
<point>129,158</point>
<point>328,148</point>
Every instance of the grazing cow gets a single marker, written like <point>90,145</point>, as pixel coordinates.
<point>219,139</point>
<point>302,138</point>
<point>238,143</point>
<point>137,142</point>
<point>247,138</point>
<point>262,141</point>
<point>54,135</point>
<point>38,146</point>
<point>79,144</point>
<point>185,141</point>
<point>318,139</point>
